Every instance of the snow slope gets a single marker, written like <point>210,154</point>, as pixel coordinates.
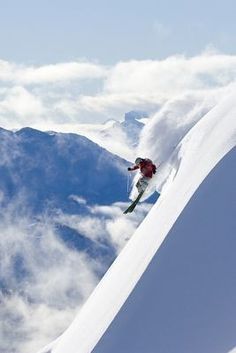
<point>186,299</point>
<point>197,154</point>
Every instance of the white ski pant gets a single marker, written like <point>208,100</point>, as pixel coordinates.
<point>142,183</point>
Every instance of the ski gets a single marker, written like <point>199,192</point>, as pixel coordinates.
<point>134,203</point>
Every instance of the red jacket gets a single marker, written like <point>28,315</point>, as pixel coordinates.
<point>147,168</point>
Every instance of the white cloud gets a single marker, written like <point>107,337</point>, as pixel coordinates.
<point>171,76</point>
<point>21,103</point>
<point>43,282</point>
<point>72,97</point>
<point>90,227</point>
<point>105,223</point>
<point>121,228</point>
<point>20,74</point>
<point>78,199</point>
<point>80,92</point>
<point>20,331</point>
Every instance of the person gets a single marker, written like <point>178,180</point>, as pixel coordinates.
<point>147,169</point>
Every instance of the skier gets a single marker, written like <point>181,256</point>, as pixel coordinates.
<point>147,169</point>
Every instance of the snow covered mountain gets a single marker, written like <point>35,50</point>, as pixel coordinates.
<point>50,167</point>
<point>180,297</point>
<point>121,138</point>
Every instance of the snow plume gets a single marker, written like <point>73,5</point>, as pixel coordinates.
<point>162,134</point>
<point>43,282</point>
<point>174,120</point>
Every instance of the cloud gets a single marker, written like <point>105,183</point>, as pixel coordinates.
<point>62,72</point>
<point>121,228</point>
<point>43,282</point>
<point>105,224</point>
<point>171,76</point>
<point>78,199</point>
<point>20,324</point>
<point>73,97</point>
<point>84,92</point>
<point>22,103</point>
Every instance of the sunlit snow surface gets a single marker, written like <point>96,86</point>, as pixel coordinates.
<point>194,158</point>
<point>185,301</point>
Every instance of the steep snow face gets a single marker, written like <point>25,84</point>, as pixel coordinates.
<point>185,301</point>
<point>195,156</point>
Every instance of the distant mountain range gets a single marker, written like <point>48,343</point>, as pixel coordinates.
<point>48,168</point>
<point>50,173</point>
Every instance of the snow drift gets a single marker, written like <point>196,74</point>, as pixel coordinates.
<point>190,163</point>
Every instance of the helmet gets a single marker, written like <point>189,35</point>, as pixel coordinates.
<point>138,160</point>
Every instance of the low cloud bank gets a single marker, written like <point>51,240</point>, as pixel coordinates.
<point>43,281</point>
<point>66,94</point>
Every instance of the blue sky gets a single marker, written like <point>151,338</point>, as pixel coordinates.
<point>42,32</point>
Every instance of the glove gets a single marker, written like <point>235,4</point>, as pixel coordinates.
<point>129,169</point>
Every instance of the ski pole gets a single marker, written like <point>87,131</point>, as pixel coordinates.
<point>128,183</point>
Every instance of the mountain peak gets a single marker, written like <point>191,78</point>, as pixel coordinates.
<point>135,115</point>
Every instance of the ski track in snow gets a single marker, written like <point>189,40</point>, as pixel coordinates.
<point>195,156</point>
